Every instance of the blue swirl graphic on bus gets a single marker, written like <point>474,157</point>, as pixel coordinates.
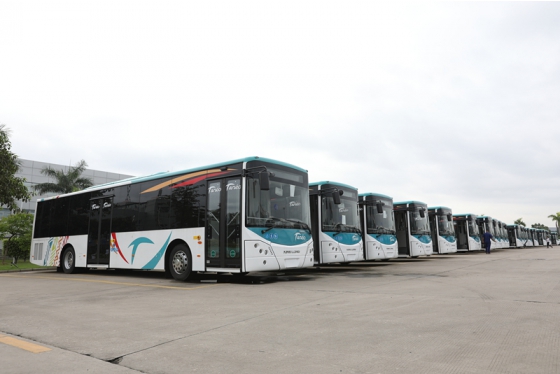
<point>426,239</point>
<point>135,245</point>
<point>345,237</point>
<point>387,239</point>
<point>154,261</point>
<point>449,238</point>
<point>282,236</point>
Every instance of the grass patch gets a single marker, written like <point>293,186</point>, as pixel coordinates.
<point>20,266</point>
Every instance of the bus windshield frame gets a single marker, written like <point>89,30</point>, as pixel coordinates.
<point>445,225</point>
<point>284,205</point>
<point>343,217</point>
<point>380,223</point>
<point>419,225</point>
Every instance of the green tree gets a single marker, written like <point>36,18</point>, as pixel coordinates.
<point>520,222</point>
<point>556,219</point>
<point>540,226</point>
<point>65,182</point>
<point>11,187</point>
<point>16,229</point>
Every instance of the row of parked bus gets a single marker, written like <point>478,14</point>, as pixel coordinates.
<point>247,215</point>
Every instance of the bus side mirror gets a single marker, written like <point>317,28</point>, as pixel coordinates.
<point>336,196</point>
<point>422,213</point>
<point>379,208</point>
<point>264,181</point>
<point>450,217</point>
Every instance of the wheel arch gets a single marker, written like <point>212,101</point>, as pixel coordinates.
<point>62,251</point>
<point>170,246</point>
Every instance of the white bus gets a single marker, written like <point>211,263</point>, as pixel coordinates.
<point>240,216</point>
<point>413,229</point>
<point>505,238</point>
<point>443,232</point>
<point>485,223</point>
<point>466,232</point>
<point>532,237</point>
<point>335,223</point>
<point>517,236</point>
<point>541,236</point>
<point>501,236</point>
<point>377,222</point>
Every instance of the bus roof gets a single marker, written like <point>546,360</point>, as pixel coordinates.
<point>375,194</point>
<point>439,207</point>
<point>173,173</point>
<point>333,183</point>
<point>409,202</point>
<point>465,214</point>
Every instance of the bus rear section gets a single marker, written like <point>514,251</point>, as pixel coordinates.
<point>443,232</point>
<point>241,216</point>
<point>466,232</point>
<point>413,229</point>
<point>377,222</point>
<point>335,223</point>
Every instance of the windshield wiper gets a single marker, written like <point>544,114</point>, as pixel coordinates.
<point>305,225</point>
<point>340,226</point>
<point>272,222</point>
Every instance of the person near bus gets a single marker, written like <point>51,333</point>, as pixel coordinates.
<point>487,238</point>
<point>548,245</point>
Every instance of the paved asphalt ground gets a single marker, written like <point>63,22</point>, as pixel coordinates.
<point>461,313</point>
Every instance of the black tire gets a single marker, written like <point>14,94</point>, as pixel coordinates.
<point>68,261</point>
<point>180,262</point>
<point>385,259</point>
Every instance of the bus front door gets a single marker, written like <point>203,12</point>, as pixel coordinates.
<point>223,223</point>
<point>99,233</point>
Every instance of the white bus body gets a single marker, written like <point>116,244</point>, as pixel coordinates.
<point>378,227</point>
<point>413,229</point>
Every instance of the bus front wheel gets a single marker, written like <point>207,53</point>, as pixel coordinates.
<point>180,262</point>
<point>69,261</point>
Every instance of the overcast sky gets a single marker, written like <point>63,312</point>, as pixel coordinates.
<point>452,104</point>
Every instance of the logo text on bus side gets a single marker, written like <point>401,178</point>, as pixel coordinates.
<point>299,236</point>
<point>233,186</point>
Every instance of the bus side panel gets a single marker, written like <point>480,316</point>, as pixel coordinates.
<point>474,243</point>
<point>377,250</point>
<point>446,246</point>
<point>146,249</point>
<point>47,251</point>
<point>420,248</point>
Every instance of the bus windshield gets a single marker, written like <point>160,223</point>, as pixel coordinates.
<point>342,217</point>
<point>380,223</point>
<point>284,205</point>
<point>445,226</point>
<point>419,225</point>
<point>473,228</point>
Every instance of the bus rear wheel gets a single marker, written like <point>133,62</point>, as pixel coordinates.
<point>69,261</point>
<point>180,262</point>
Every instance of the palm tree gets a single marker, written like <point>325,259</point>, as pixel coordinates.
<point>520,222</point>
<point>556,219</point>
<point>65,182</point>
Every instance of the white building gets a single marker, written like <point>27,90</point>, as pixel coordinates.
<point>31,171</point>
